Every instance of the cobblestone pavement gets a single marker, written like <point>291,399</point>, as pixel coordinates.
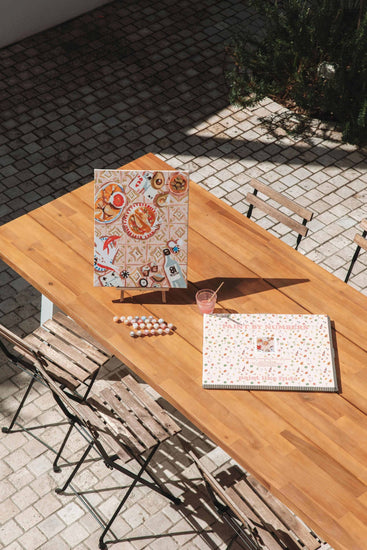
<point>99,91</point>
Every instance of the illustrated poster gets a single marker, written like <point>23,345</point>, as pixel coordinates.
<point>268,351</point>
<point>140,228</point>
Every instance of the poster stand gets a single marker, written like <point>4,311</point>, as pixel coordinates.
<point>164,294</point>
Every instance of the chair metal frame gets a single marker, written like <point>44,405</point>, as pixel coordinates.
<point>254,200</point>
<point>258,519</point>
<point>245,530</point>
<point>29,367</point>
<point>57,341</point>
<point>82,414</point>
<point>361,242</point>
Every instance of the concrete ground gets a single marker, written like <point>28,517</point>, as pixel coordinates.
<point>97,92</point>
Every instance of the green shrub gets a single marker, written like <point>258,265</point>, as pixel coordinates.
<point>310,54</point>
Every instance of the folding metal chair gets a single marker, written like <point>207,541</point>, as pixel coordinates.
<point>291,205</point>
<point>361,243</point>
<point>260,521</point>
<point>122,423</point>
<point>71,357</point>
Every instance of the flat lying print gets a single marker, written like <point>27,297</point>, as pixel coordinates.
<point>140,228</point>
<point>268,351</point>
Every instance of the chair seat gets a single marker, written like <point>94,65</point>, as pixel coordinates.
<point>73,356</point>
<point>121,422</point>
<point>266,523</point>
<point>126,417</point>
<point>70,356</point>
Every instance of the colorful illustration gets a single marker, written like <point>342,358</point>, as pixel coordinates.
<point>268,351</point>
<point>140,228</point>
<point>265,344</point>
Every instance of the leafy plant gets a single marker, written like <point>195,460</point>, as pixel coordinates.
<point>311,55</point>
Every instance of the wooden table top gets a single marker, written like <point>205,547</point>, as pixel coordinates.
<point>309,449</point>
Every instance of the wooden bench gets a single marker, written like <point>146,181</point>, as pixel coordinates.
<point>270,193</point>
<point>258,518</point>
<point>361,242</point>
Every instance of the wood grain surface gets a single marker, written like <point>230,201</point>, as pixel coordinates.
<point>309,449</point>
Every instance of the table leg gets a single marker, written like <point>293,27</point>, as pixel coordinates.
<point>47,309</point>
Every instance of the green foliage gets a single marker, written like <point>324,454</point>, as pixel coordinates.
<point>311,54</point>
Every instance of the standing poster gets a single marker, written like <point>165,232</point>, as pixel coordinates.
<point>268,351</point>
<point>140,228</point>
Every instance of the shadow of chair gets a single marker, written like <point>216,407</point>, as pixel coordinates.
<point>259,520</point>
<point>277,214</point>
<point>361,242</point>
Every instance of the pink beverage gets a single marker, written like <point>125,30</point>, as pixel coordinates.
<point>206,300</point>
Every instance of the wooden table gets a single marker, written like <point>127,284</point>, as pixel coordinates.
<point>309,449</point>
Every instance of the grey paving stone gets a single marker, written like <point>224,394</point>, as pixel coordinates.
<point>98,91</point>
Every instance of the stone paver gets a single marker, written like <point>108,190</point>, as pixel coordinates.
<point>97,92</point>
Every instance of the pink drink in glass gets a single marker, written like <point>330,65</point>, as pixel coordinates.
<point>206,300</point>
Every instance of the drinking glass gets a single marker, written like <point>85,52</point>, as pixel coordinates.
<point>206,300</point>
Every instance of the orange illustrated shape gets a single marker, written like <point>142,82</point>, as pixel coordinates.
<point>109,203</point>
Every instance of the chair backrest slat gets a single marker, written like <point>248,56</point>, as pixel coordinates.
<point>267,539</point>
<point>72,326</point>
<point>277,212</point>
<point>72,360</point>
<point>109,429</point>
<point>360,241</point>
<point>265,513</point>
<point>279,216</point>
<point>62,376</point>
<point>125,418</point>
<point>160,414</point>
<point>220,491</point>
<point>281,199</point>
<point>17,342</point>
